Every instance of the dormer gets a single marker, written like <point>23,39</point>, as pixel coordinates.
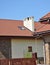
<point>45,19</point>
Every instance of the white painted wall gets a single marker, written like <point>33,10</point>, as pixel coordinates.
<point>20,46</point>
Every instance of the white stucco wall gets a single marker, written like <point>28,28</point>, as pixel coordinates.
<point>20,46</point>
<point>29,23</point>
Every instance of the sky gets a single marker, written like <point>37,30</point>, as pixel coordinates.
<point>20,9</point>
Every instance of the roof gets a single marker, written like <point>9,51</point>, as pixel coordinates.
<point>46,16</point>
<point>40,27</point>
<point>16,27</point>
<point>12,28</point>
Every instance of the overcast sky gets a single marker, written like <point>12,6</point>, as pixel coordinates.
<point>19,9</point>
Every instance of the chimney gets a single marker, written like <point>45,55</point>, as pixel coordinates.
<point>29,23</point>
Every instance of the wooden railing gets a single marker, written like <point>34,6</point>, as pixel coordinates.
<point>4,62</point>
<point>20,61</point>
<point>23,61</point>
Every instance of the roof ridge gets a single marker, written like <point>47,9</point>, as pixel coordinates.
<point>10,20</point>
<point>40,26</point>
<point>45,16</point>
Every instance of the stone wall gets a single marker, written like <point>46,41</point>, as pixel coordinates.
<point>47,48</point>
<point>5,48</point>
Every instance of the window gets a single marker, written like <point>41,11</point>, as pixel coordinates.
<point>21,27</point>
<point>29,48</point>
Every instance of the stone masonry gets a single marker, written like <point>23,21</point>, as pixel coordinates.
<point>5,48</point>
<point>47,49</point>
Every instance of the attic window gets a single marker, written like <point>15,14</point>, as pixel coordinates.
<point>45,20</point>
<point>21,27</point>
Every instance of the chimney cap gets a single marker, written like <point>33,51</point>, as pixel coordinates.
<point>28,18</point>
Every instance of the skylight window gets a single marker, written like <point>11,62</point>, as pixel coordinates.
<point>21,27</point>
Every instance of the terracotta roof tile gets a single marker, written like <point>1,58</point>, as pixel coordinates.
<point>40,27</point>
<point>46,16</point>
<point>11,28</point>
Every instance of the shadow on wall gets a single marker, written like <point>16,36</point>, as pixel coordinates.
<point>2,56</point>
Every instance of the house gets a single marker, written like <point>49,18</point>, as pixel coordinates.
<point>21,38</point>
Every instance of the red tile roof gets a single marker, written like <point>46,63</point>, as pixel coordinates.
<point>16,27</point>
<point>12,28</point>
<point>46,16</point>
<point>40,27</point>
